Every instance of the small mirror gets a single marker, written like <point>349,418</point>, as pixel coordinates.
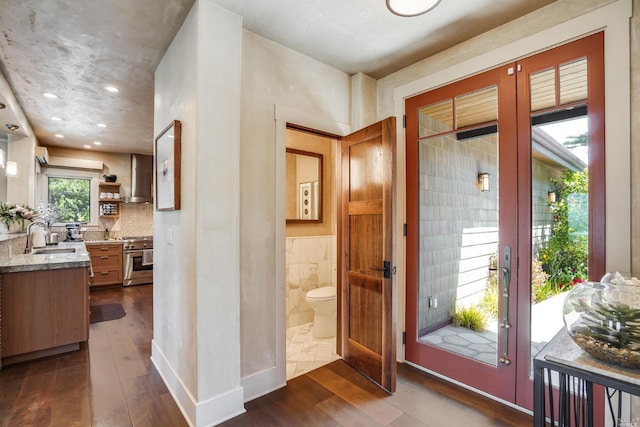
<point>304,186</point>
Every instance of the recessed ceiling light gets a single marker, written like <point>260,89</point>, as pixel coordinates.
<point>112,89</point>
<point>59,135</point>
<point>56,119</point>
<point>50,95</point>
<point>101,125</point>
<point>12,127</point>
<point>2,106</point>
<point>87,146</point>
<point>97,143</point>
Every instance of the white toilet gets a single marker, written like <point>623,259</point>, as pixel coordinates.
<point>323,302</point>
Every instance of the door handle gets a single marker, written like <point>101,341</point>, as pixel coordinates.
<point>505,268</point>
<point>386,269</point>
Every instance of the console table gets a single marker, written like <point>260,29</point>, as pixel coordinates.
<point>563,379</point>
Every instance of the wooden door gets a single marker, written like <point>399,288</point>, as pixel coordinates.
<point>367,333</point>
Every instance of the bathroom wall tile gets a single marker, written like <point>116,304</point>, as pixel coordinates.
<point>324,249</point>
<point>314,250</point>
<point>293,276</point>
<point>294,256</point>
<point>306,316</point>
<point>304,250</point>
<point>294,320</point>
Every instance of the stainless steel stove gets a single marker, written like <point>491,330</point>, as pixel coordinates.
<point>137,260</point>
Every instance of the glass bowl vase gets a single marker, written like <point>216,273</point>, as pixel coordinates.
<point>604,320</point>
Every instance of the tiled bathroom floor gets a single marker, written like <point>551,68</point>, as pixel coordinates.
<point>305,353</point>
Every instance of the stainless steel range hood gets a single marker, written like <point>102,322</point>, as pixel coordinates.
<point>141,179</point>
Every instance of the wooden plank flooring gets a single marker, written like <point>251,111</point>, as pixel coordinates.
<point>336,395</point>
<point>111,382</point>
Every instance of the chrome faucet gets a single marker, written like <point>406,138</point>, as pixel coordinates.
<point>28,248</point>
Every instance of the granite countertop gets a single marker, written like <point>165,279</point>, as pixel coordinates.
<point>51,261</point>
<point>104,242</point>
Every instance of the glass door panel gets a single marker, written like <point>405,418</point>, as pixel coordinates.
<point>458,297</point>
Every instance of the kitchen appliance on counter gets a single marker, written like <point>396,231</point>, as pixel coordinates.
<point>74,232</point>
<point>137,260</point>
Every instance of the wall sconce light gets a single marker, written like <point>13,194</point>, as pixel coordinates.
<point>483,181</point>
<point>551,197</point>
<point>11,168</point>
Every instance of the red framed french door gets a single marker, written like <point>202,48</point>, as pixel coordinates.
<point>475,214</point>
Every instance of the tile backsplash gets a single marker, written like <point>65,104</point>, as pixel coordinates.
<point>311,263</point>
<point>137,219</point>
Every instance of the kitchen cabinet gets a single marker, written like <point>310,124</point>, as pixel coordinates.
<point>106,262</point>
<point>44,312</point>
<point>109,206</point>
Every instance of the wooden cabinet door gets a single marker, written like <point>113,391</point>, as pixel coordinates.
<point>44,309</point>
<point>106,261</point>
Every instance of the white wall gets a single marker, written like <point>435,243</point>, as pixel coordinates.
<point>278,85</point>
<point>196,344</point>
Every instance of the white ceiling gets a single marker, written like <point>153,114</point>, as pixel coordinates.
<point>73,48</point>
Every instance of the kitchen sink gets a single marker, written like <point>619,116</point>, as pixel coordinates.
<point>53,251</point>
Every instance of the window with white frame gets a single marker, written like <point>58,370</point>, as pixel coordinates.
<point>73,192</point>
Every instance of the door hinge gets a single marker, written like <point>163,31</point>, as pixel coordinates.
<point>404,121</point>
<point>404,337</point>
<point>404,229</point>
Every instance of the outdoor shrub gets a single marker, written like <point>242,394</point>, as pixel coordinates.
<point>471,317</point>
<point>564,256</point>
<point>541,289</point>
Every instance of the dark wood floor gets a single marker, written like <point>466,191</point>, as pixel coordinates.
<point>336,395</point>
<point>111,382</point>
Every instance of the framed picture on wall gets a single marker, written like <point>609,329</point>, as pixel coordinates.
<point>167,167</point>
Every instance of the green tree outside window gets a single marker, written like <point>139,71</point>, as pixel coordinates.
<point>72,197</point>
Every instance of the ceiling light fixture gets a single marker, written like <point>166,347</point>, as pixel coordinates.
<point>87,146</point>
<point>410,8</point>
<point>50,95</point>
<point>56,119</point>
<point>101,125</point>
<point>59,135</point>
<point>2,106</point>
<point>12,127</point>
<point>112,89</point>
<point>97,143</point>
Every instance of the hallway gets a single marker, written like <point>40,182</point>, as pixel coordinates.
<point>111,382</point>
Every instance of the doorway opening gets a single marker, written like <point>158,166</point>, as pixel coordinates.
<point>311,249</point>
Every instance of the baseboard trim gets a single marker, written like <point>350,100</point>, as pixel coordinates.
<point>197,414</point>
<point>261,383</point>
